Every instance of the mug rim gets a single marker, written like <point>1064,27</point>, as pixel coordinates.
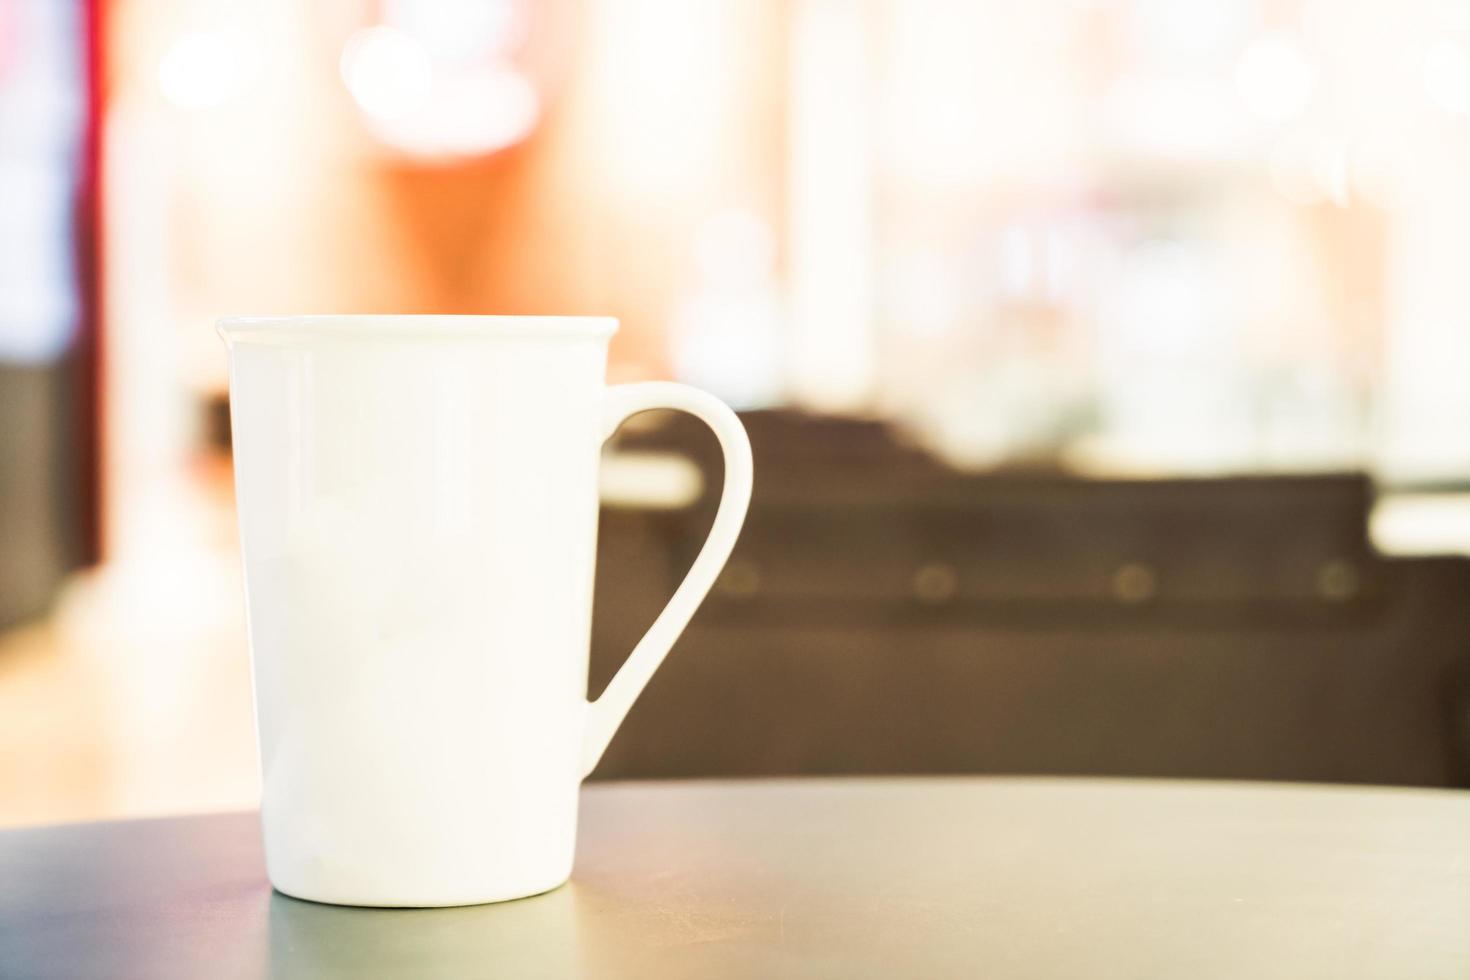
<point>414,325</point>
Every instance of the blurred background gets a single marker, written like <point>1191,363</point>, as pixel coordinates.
<point>1107,362</point>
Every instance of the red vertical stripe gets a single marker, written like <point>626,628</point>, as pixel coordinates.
<point>90,334</point>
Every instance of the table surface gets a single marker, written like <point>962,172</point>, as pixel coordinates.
<point>842,878</point>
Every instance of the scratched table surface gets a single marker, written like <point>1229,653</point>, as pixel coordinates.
<point>850,878</point>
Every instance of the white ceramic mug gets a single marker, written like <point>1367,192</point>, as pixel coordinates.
<point>418,513</point>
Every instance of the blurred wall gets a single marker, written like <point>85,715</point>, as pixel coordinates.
<point>41,478</point>
<point>1145,236</point>
<point>46,402</point>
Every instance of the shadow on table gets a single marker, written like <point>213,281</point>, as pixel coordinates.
<point>527,938</point>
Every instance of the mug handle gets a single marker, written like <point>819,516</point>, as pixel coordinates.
<point>623,401</point>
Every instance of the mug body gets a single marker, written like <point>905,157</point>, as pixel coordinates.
<point>418,514</point>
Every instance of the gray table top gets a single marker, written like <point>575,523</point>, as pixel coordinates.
<point>810,878</point>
